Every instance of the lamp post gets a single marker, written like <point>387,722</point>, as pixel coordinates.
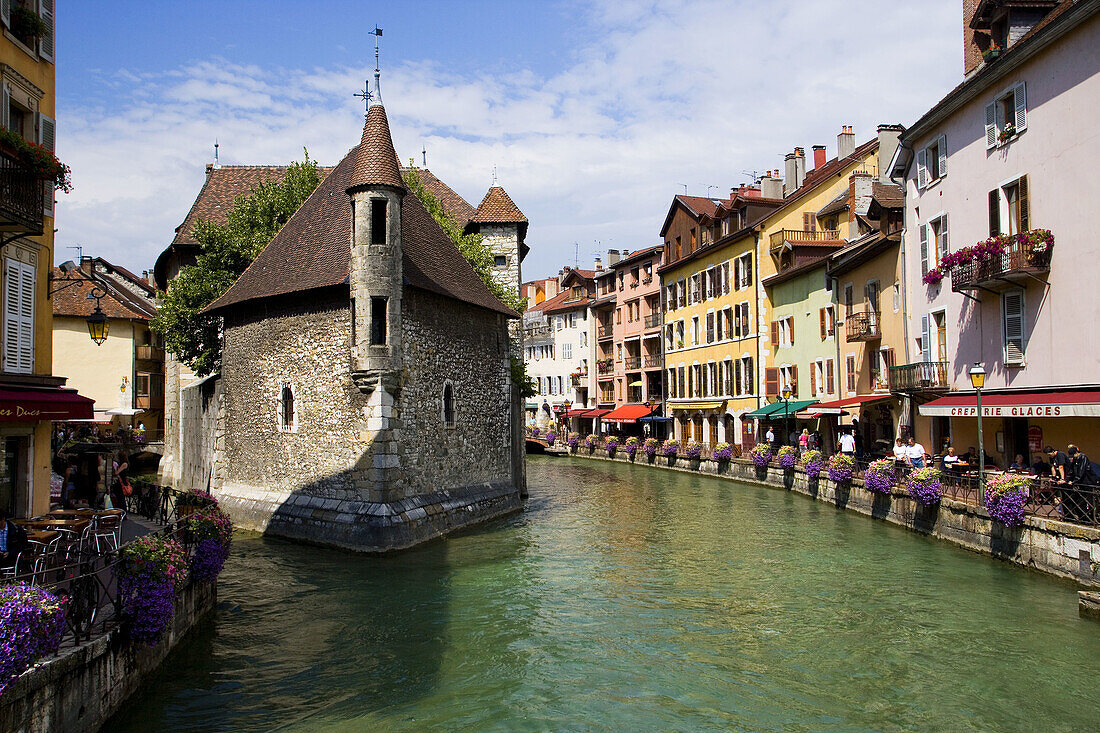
<point>977,380</point>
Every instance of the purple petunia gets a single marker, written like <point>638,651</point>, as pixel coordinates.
<point>32,623</point>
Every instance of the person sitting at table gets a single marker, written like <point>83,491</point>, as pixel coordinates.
<point>1040,467</point>
<point>13,540</point>
<point>1018,465</point>
<point>952,462</point>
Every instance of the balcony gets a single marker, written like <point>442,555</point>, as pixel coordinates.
<point>654,320</point>
<point>797,236</point>
<point>863,326</point>
<point>148,353</point>
<point>603,332</point>
<point>923,376</point>
<point>21,197</point>
<point>633,363</point>
<point>1012,268</point>
<point>652,361</point>
<point>605,366</point>
<point>578,380</point>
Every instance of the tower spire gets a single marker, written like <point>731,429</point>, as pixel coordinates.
<point>377,68</point>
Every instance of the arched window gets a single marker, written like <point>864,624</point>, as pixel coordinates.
<point>448,405</point>
<point>287,411</point>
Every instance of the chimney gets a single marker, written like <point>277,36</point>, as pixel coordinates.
<point>973,40</point>
<point>771,186</point>
<point>800,165</point>
<point>598,266</point>
<point>860,190</point>
<point>209,168</point>
<point>790,177</point>
<point>613,257</point>
<point>887,145</point>
<point>845,142</point>
<point>819,156</point>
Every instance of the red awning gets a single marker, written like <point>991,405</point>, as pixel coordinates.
<point>836,407</point>
<point>33,405</point>
<point>576,413</point>
<point>1017,404</point>
<point>629,413</point>
<point>594,413</point>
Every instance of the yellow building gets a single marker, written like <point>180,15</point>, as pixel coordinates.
<point>711,326</point>
<point>30,397</point>
<point>820,215</point>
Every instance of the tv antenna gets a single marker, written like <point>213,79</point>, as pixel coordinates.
<point>685,187</point>
<point>756,175</point>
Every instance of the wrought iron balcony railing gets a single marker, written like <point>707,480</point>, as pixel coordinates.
<point>863,326</point>
<point>654,320</point>
<point>1013,267</point>
<point>633,362</point>
<point>22,195</point>
<point>922,376</point>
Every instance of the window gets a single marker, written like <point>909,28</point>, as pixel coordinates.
<point>742,271</point>
<point>378,320</point>
<point>1009,208</point>
<point>671,382</point>
<point>852,374</point>
<point>783,332</point>
<point>848,300</point>
<point>933,243</point>
<point>287,410</point>
<point>710,327</point>
<point>680,382</point>
<point>1006,116</point>
<point>500,261</point>
<point>827,321</point>
<point>746,375</point>
<point>809,219</point>
<point>567,351</point>
<point>448,405</point>
<point>19,286</point>
<point>694,330</point>
<point>697,380</point>
<point>1014,327</point>
<point>932,162</point>
<point>377,221</point>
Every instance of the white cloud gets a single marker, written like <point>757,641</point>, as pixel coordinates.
<point>654,95</point>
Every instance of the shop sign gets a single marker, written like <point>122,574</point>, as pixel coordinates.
<point>1035,439</point>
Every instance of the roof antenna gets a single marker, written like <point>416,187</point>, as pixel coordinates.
<point>577,254</point>
<point>424,152</point>
<point>79,252</point>
<point>494,175</point>
<point>377,71</point>
<point>685,187</point>
<point>216,163</point>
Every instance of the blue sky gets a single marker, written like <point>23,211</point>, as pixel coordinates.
<point>593,113</point>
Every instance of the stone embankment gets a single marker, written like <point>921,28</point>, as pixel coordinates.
<point>1063,549</point>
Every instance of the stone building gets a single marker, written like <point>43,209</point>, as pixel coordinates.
<point>366,385</point>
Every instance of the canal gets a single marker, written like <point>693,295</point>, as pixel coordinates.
<point>627,598</point>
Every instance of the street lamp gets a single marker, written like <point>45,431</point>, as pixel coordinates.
<point>787,413</point>
<point>98,325</point>
<point>977,380</point>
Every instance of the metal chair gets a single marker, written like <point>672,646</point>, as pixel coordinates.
<point>107,530</point>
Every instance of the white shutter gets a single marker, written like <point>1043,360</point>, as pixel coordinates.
<point>926,338</point>
<point>47,129</point>
<point>5,106</point>
<point>5,12</point>
<point>942,149</point>
<point>46,42</point>
<point>923,250</point>
<point>1020,93</point>
<point>991,125</point>
<point>922,168</point>
<point>18,317</point>
<point>1014,326</point>
<point>943,236</point>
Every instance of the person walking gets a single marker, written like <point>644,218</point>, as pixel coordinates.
<point>900,456</point>
<point>121,485</point>
<point>770,437</point>
<point>804,440</point>
<point>915,454</point>
<point>848,444</point>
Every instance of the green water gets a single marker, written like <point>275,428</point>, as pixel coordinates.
<point>631,599</point>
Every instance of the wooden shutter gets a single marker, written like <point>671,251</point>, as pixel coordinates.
<point>19,284</point>
<point>775,333</point>
<point>794,379</point>
<point>1014,326</point>
<point>943,241</point>
<point>747,269</point>
<point>46,42</point>
<point>821,317</point>
<point>750,384</point>
<point>922,168</point>
<point>923,251</point>
<point>1025,205</point>
<point>737,273</point>
<point>771,381</point>
<point>942,150</point>
<point>888,358</point>
<point>1020,94</point>
<point>925,338</point>
<point>739,384</point>
<point>813,379</point>
<point>790,323</point>
<point>991,125</point>
<point>850,363</point>
<point>994,212</point>
<point>746,320</point>
<point>47,138</point>
<point>830,384</point>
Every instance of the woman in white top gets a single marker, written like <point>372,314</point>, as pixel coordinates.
<point>951,461</point>
<point>900,456</point>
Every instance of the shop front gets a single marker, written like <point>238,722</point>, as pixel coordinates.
<point>782,416</point>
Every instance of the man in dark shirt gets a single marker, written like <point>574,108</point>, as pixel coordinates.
<point>13,540</point>
<point>1059,464</point>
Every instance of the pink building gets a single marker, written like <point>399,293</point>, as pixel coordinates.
<point>1009,152</point>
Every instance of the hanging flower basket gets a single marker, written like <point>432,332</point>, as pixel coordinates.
<point>32,623</point>
<point>212,532</point>
<point>812,463</point>
<point>722,453</point>
<point>787,457</point>
<point>650,447</point>
<point>879,476</point>
<point>924,486</point>
<point>1005,497</point>
<point>151,572</point>
<point>611,444</point>
<point>693,450</point>
<point>841,468</point>
<point>550,438</point>
<point>631,446</point>
<point>573,441</point>
<point>761,455</point>
<point>670,448</point>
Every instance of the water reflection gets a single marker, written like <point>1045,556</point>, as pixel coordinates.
<point>627,598</point>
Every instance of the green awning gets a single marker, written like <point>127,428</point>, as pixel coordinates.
<point>775,409</point>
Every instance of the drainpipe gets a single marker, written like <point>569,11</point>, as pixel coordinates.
<point>758,377</point>
<point>905,292</point>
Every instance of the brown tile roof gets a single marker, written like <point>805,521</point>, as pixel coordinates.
<point>888,195</point>
<point>311,251</point>
<point>839,203</point>
<point>498,208</point>
<point>220,189</point>
<point>700,206</point>
<point>561,303</point>
<point>74,301</point>
<point>375,160</point>
<point>456,207</point>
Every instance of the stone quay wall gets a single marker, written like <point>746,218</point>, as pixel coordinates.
<point>199,463</point>
<point>373,472</point>
<point>81,688</point>
<point>1058,548</point>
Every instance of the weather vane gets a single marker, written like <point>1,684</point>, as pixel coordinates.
<point>377,70</point>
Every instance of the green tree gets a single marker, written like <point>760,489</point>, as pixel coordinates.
<point>227,249</point>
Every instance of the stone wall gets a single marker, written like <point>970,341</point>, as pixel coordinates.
<point>503,241</point>
<point>1059,548</point>
<point>199,463</point>
<point>81,688</point>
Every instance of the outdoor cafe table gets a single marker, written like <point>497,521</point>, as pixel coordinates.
<point>73,513</point>
<point>42,535</point>
<point>71,525</point>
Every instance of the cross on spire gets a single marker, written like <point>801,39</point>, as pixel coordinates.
<point>366,95</point>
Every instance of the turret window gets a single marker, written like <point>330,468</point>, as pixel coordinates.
<point>378,221</point>
<point>378,320</point>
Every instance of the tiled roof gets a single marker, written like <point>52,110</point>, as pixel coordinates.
<point>639,254</point>
<point>456,207</point>
<point>498,208</point>
<point>220,189</point>
<point>311,251</point>
<point>561,303</point>
<point>888,195</point>
<point>74,300</point>
<point>699,205</point>
<point>375,160</point>
<point>839,203</point>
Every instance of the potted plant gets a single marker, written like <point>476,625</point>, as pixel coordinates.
<point>924,485</point>
<point>693,452</point>
<point>933,276</point>
<point>1037,244</point>
<point>33,626</point>
<point>787,456</point>
<point>611,443</point>
<point>761,455</point>
<point>1005,497</point>
<point>841,468</point>
<point>992,52</point>
<point>879,476</point>
<point>193,500</point>
<point>26,25</point>
<point>650,448</point>
<point>41,162</point>
<point>670,449</point>
<point>550,437</point>
<point>812,463</point>
<point>151,573</point>
<point>722,453</point>
<point>590,442</point>
<point>1006,132</point>
<point>631,447</point>
<point>573,441</point>
<point>212,533</point>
